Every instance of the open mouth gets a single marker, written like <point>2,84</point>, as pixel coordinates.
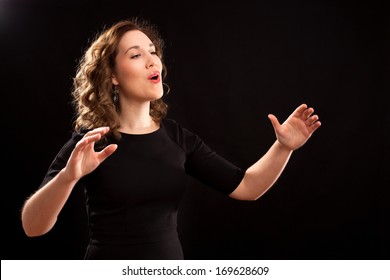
<point>154,77</point>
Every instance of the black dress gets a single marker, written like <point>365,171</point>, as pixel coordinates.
<point>132,198</point>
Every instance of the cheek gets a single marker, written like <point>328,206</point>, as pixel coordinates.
<point>126,72</point>
<point>160,64</point>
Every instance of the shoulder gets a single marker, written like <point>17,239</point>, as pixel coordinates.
<point>179,134</point>
<point>75,136</point>
<point>169,123</point>
<point>174,128</point>
<point>171,126</point>
<point>78,135</point>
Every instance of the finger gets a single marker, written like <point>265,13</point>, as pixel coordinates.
<point>85,141</point>
<point>299,110</point>
<point>107,151</point>
<point>100,130</point>
<point>310,120</point>
<point>307,113</point>
<point>274,120</point>
<point>315,126</point>
<point>92,136</point>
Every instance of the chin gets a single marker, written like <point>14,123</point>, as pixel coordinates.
<point>159,95</point>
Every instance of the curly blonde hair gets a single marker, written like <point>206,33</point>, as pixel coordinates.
<point>92,86</point>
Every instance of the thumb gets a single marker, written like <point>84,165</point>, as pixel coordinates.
<point>274,121</point>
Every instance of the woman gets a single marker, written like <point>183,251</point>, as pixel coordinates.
<point>133,161</point>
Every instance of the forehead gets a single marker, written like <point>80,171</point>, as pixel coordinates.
<point>134,38</point>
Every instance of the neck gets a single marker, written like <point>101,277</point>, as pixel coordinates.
<point>135,119</point>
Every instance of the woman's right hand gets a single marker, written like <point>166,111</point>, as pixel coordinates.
<point>84,159</point>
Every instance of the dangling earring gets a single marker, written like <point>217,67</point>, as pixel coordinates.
<point>115,96</point>
<point>168,89</point>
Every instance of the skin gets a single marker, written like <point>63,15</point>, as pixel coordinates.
<point>290,135</point>
<point>135,62</point>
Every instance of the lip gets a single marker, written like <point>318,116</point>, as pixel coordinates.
<point>154,74</point>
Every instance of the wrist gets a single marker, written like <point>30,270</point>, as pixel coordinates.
<point>283,148</point>
<point>66,178</point>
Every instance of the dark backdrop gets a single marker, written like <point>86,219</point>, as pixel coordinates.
<point>229,65</point>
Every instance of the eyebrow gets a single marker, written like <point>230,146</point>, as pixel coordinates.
<point>138,47</point>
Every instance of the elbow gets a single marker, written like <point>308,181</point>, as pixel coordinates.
<point>248,190</point>
<point>32,232</point>
<point>244,196</point>
<point>248,198</point>
<point>31,229</point>
<point>28,229</point>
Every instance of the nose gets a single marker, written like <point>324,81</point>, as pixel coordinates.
<point>151,62</point>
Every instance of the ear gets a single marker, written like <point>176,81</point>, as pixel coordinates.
<point>114,80</point>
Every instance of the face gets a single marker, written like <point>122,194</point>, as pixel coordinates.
<point>138,68</point>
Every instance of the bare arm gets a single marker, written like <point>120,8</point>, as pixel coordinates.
<point>291,135</point>
<point>40,211</point>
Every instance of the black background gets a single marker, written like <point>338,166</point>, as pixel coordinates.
<point>229,65</point>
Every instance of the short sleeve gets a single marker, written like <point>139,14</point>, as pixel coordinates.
<point>203,163</point>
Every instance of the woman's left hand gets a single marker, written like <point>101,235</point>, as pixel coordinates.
<point>297,128</point>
